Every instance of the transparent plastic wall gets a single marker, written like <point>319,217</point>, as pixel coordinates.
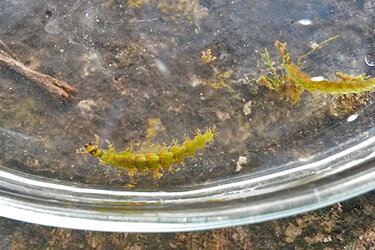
<point>150,74</point>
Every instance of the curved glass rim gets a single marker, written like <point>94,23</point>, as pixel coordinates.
<point>305,185</point>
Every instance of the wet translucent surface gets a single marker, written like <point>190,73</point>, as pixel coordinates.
<point>134,61</point>
<point>130,62</point>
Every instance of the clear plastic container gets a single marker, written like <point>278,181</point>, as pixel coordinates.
<point>139,76</point>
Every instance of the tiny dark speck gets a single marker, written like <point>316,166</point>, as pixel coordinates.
<point>48,13</point>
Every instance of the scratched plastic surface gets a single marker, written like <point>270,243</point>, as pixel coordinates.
<point>132,61</point>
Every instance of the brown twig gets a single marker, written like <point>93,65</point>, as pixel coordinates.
<point>53,85</point>
<point>7,49</point>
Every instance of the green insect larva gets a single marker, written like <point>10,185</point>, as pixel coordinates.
<point>294,81</point>
<point>163,157</point>
<point>345,85</point>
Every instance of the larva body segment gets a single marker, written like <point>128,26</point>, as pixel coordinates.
<point>164,157</point>
<point>178,152</point>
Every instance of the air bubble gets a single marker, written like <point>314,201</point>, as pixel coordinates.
<point>304,22</point>
<point>370,60</point>
<point>352,118</point>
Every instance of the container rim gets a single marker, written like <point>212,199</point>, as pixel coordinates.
<point>298,187</point>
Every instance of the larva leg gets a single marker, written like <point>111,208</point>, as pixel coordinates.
<point>182,163</point>
<point>174,142</point>
<point>170,169</point>
<point>107,171</point>
<point>142,171</point>
<point>130,147</point>
<point>111,148</point>
<point>81,151</point>
<point>348,78</point>
<point>96,141</point>
<point>131,171</point>
<point>157,174</point>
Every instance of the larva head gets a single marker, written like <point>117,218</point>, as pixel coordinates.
<point>89,149</point>
<point>210,133</point>
<point>92,149</point>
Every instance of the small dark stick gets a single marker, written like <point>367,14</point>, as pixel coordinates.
<point>53,85</point>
